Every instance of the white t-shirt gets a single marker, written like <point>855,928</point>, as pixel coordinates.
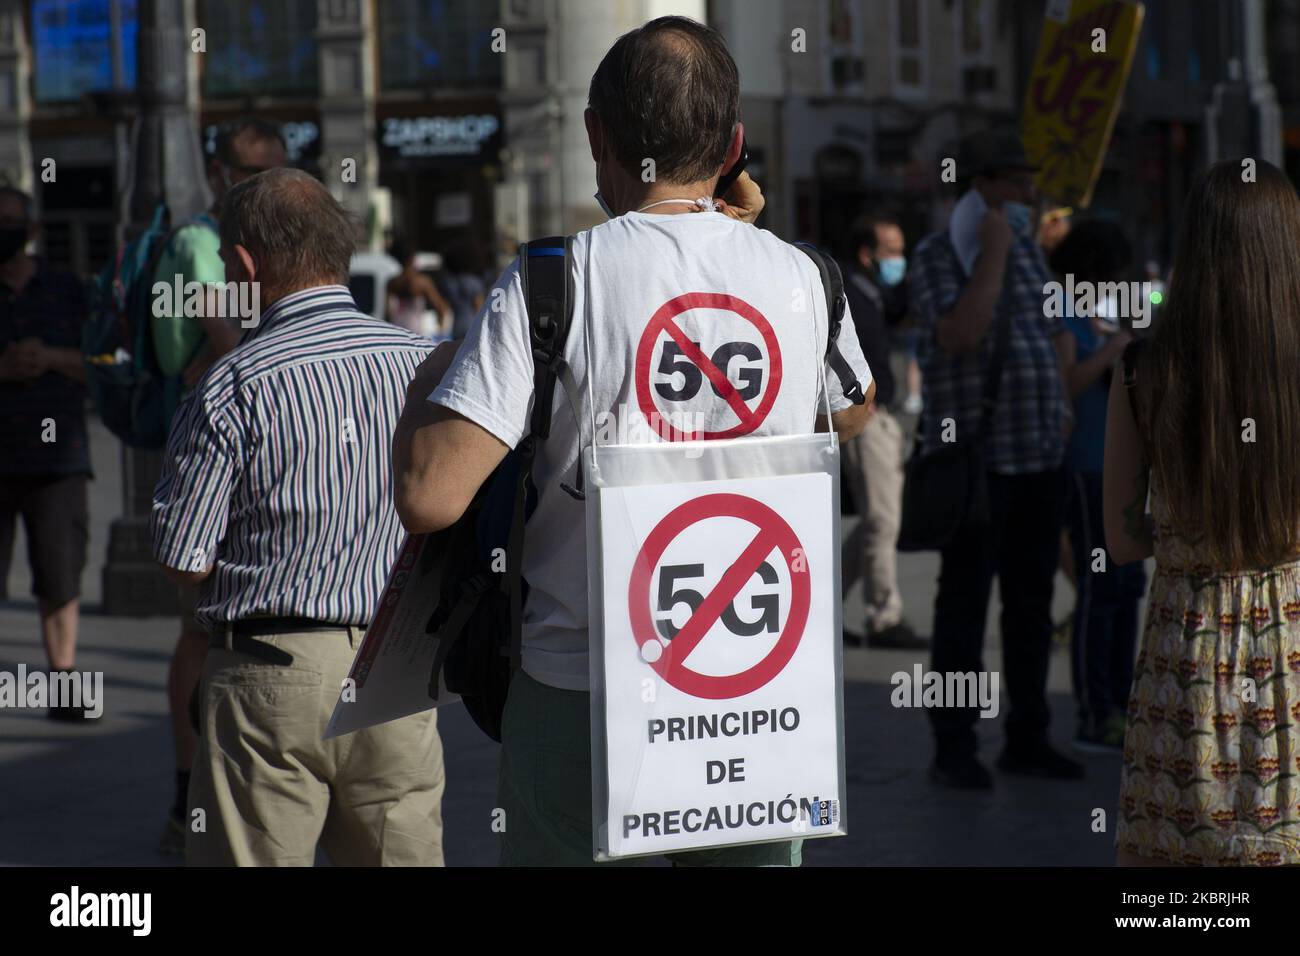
<point>733,294</point>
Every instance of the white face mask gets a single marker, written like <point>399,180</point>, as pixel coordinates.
<point>1018,216</point>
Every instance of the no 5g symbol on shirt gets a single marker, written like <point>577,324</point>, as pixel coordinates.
<point>671,365</point>
<point>673,362</point>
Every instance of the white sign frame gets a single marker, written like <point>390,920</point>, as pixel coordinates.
<point>389,676</point>
<point>713,466</point>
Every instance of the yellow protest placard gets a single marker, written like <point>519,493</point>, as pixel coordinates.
<point>1075,92</point>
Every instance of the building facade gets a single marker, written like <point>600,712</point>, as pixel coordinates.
<point>853,104</point>
<point>448,123</point>
<point>459,122</point>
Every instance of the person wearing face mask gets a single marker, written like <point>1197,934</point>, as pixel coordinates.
<point>980,276</point>
<point>188,346</point>
<point>877,298</point>
<point>46,463</point>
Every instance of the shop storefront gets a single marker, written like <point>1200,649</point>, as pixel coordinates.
<point>440,163</point>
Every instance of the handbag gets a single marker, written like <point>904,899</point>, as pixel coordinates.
<point>946,489</point>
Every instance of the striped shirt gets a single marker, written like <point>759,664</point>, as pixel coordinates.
<point>277,470</point>
<point>1027,429</point>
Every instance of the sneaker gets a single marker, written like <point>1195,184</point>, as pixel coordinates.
<point>1062,630</point>
<point>68,714</point>
<point>898,636</point>
<point>1042,761</point>
<point>1100,736</point>
<point>173,837</point>
<point>1116,728</point>
<point>961,773</point>
<point>912,405</point>
<point>1092,740</point>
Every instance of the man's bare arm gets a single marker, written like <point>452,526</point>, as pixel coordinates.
<point>440,458</point>
<point>849,423</point>
<point>1124,483</point>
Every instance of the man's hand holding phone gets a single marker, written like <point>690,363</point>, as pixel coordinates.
<point>995,233</point>
<point>743,200</point>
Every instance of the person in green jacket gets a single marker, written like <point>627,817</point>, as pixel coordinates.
<point>188,346</point>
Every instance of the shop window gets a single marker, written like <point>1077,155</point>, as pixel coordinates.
<point>438,43</point>
<point>259,47</point>
<point>909,46</point>
<point>72,47</point>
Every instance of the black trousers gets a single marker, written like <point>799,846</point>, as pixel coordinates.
<point>1021,548</point>
<point>1105,635</point>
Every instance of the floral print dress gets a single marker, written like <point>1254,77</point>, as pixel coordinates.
<point>1212,747</point>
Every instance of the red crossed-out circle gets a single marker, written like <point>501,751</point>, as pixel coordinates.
<point>773,533</point>
<point>664,321</point>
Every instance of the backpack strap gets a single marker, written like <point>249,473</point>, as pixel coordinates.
<point>547,279</point>
<point>833,284</point>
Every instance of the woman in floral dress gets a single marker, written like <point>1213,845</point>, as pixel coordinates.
<point>1206,419</point>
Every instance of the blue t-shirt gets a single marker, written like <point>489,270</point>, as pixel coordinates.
<point>1088,439</point>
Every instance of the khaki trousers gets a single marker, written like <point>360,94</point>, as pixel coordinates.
<point>269,787</point>
<point>875,476</point>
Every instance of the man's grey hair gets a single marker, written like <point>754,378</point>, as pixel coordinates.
<point>297,233</point>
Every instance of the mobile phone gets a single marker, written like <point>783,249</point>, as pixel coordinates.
<point>729,178</point>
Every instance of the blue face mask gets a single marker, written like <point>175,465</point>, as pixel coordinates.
<point>604,206</point>
<point>1018,216</point>
<point>892,270</point>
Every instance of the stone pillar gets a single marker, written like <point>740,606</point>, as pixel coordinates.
<point>553,47</point>
<point>15,103</point>
<point>345,53</point>
<point>1243,117</point>
<point>167,166</point>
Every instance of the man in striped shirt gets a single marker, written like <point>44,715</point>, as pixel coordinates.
<point>276,494</point>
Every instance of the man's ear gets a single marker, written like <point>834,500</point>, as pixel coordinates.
<point>247,262</point>
<point>592,123</point>
<point>733,151</point>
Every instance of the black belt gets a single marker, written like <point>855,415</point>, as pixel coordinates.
<point>243,635</point>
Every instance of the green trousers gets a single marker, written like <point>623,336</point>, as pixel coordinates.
<point>544,787</point>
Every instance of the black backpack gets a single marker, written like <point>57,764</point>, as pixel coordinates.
<point>479,617</point>
<point>478,620</point>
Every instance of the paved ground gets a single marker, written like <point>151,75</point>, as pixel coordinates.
<point>96,795</point>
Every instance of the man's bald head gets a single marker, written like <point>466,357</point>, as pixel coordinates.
<point>668,91</point>
<point>295,231</point>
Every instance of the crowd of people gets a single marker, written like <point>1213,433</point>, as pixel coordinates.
<point>307,447</point>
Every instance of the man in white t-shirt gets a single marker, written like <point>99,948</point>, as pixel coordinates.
<point>667,275</point>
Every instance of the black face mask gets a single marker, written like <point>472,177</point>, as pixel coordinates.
<point>12,241</point>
